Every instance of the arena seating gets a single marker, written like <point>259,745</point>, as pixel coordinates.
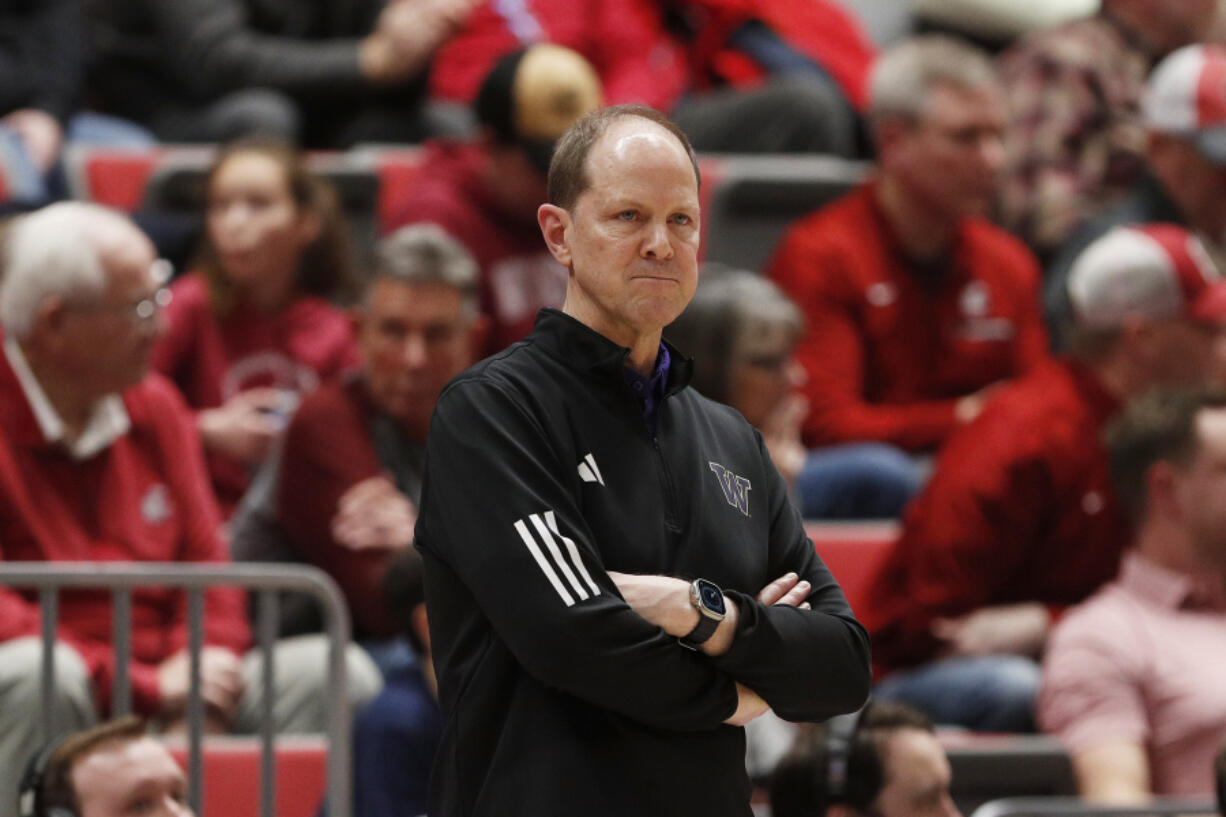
<point>231,775</point>
<point>747,200</point>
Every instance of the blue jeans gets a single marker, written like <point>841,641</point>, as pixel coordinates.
<point>987,693</point>
<point>857,481</point>
<point>30,186</point>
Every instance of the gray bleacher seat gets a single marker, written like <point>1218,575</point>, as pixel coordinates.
<point>756,197</point>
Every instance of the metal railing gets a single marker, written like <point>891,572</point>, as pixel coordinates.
<point>1076,807</point>
<point>121,578</point>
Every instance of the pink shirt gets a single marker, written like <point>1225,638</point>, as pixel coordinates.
<point>1142,661</point>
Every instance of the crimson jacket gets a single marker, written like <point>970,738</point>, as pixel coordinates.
<point>144,498</point>
<point>329,448</point>
<point>559,699</point>
<point>1020,508</point>
<point>212,359</point>
<point>624,40</point>
<point>887,358</point>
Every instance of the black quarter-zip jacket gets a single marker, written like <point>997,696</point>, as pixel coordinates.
<point>558,699</point>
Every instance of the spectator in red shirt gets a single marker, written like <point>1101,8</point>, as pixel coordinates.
<point>757,77</point>
<point>251,329</point>
<point>1020,518</point>
<point>485,193</point>
<point>101,463</point>
<point>916,307</point>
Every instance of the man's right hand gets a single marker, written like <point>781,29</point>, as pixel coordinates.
<point>749,705</point>
<point>373,514</point>
<point>221,683</point>
<point>245,425</point>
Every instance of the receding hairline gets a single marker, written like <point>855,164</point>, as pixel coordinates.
<point>652,130</point>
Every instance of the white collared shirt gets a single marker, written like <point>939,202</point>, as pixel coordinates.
<point>107,423</point>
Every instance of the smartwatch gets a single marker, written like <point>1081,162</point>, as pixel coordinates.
<point>708,600</point>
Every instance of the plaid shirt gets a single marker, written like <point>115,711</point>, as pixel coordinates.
<point>1075,141</point>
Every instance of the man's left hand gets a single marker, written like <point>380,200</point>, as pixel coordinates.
<point>40,133</point>
<point>1016,629</point>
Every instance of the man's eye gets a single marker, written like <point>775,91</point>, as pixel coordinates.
<point>682,218</point>
<point>627,215</point>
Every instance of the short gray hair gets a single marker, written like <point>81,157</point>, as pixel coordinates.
<point>905,74</point>
<point>53,252</point>
<point>425,254</point>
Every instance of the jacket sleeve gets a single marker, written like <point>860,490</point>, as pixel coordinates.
<point>324,456</point>
<point>964,537</point>
<point>833,355</point>
<point>217,50</point>
<point>497,512</point>
<point>42,64</point>
<point>809,665</point>
<point>225,621</point>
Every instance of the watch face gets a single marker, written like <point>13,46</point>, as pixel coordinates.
<point>712,596</point>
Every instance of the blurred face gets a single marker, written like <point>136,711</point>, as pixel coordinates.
<point>1200,488</point>
<point>517,185</point>
<point>950,158</point>
<point>414,338</point>
<point>917,777</point>
<point>1164,25</point>
<point>1197,185</point>
<point>255,225</point>
<point>103,344</point>
<point>631,241</point>
<point>764,373</point>
<point>131,778</point>
<point>1184,352</point>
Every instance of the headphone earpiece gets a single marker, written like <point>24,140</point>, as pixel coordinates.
<point>853,770</point>
<point>30,789</point>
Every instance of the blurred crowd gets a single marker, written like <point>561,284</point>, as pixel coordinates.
<point>1009,337</point>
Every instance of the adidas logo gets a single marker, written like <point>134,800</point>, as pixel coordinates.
<point>588,472</point>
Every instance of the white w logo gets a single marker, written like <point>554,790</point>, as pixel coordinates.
<point>736,489</point>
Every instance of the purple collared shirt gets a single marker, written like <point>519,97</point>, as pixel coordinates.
<point>650,390</point>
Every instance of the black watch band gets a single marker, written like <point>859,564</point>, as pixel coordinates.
<point>697,636</point>
<point>708,600</point>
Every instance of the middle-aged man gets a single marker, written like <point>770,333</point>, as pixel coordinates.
<point>1019,519</point>
<point>582,510</point>
<point>100,462</point>
<point>885,761</point>
<point>916,307</point>
<point>343,492</point>
<point>114,769</point>
<point>1134,680</point>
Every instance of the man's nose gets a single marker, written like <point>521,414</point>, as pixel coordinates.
<point>414,351</point>
<point>657,242</point>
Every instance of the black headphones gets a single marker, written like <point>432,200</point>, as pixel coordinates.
<point>30,790</point>
<point>853,769</point>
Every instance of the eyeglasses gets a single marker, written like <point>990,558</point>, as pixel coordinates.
<point>146,309</point>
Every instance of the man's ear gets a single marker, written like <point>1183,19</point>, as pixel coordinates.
<point>1161,491</point>
<point>49,317</point>
<point>555,222</point>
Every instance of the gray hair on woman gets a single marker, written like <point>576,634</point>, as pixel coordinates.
<point>730,310</point>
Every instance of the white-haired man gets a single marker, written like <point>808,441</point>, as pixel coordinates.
<point>100,462</point>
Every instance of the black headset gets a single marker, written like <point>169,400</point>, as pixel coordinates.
<point>853,769</point>
<point>30,790</point>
